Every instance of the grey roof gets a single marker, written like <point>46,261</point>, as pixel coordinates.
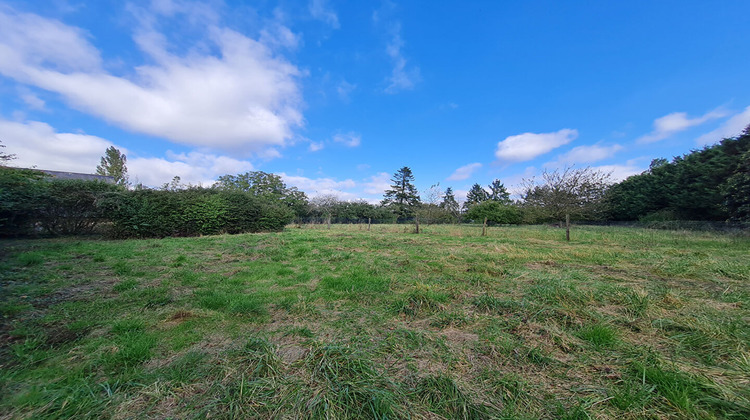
<point>74,175</point>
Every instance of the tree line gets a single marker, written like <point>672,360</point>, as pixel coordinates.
<point>711,184</point>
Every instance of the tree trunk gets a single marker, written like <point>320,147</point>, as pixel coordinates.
<point>416,221</point>
<point>567,227</point>
<point>328,221</point>
<point>369,221</point>
<point>484,227</point>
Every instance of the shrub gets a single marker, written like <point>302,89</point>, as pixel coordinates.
<point>495,212</point>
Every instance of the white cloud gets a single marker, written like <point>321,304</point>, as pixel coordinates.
<point>321,186</point>
<point>464,172</point>
<point>276,34</point>
<point>38,145</point>
<point>28,40</point>
<point>527,146</point>
<point>730,128</point>
<point>620,172</point>
<point>377,184</point>
<point>319,10</point>
<point>675,122</point>
<point>402,78</point>
<point>244,98</point>
<point>350,139</point>
<point>31,99</point>
<point>586,154</point>
<point>193,168</point>
<point>314,147</point>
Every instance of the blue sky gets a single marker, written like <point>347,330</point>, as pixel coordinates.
<point>336,96</point>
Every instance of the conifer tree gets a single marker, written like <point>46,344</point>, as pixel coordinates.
<point>402,197</point>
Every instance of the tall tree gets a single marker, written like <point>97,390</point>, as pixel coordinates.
<point>498,192</point>
<point>737,191</point>
<point>450,204</point>
<point>113,164</point>
<point>476,195</point>
<point>691,187</point>
<point>402,197</point>
<point>267,186</point>
<point>576,193</point>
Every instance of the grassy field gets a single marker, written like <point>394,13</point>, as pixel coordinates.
<point>346,323</point>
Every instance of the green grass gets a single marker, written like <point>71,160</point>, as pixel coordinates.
<point>348,323</point>
<point>599,335</point>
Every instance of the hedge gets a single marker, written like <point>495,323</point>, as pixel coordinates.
<point>196,211</point>
<point>32,203</point>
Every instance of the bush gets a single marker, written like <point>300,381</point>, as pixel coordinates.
<point>495,212</point>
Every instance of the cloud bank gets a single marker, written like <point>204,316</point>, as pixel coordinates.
<point>243,97</point>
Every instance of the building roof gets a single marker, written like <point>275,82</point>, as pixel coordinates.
<point>83,177</point>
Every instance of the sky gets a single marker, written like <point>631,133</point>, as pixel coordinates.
<point>336,96</point>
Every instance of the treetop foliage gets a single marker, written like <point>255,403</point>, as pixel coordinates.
<point>498,192</point>
<point>402,197</point>
<point>114,164</point>
<point>450,204</point>
<point>266,186</point>
<point>705,184</point>
<point>577,193</point>
<point>495,212</point>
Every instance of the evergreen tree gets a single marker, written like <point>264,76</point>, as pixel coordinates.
<point>476,195</point>
<point>498,192</point>
<point>113,164</point>
<point>449,203</point>
<point>691,187</point>
<point>737,191</point>
<point>402,198</point>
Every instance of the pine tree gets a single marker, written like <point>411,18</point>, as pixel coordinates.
<point>449,203</point>
<point>737,191</point>
<point>402,197</point>
<point>113,164</point>
<point>498,192</point>
<point>476,195</point>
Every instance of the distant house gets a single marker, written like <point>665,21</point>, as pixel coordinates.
<point>83,177</point>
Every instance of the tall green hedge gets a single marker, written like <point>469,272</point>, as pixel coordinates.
<point>21,195</point>
<point>32,203</point>
<point>196,211</point>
